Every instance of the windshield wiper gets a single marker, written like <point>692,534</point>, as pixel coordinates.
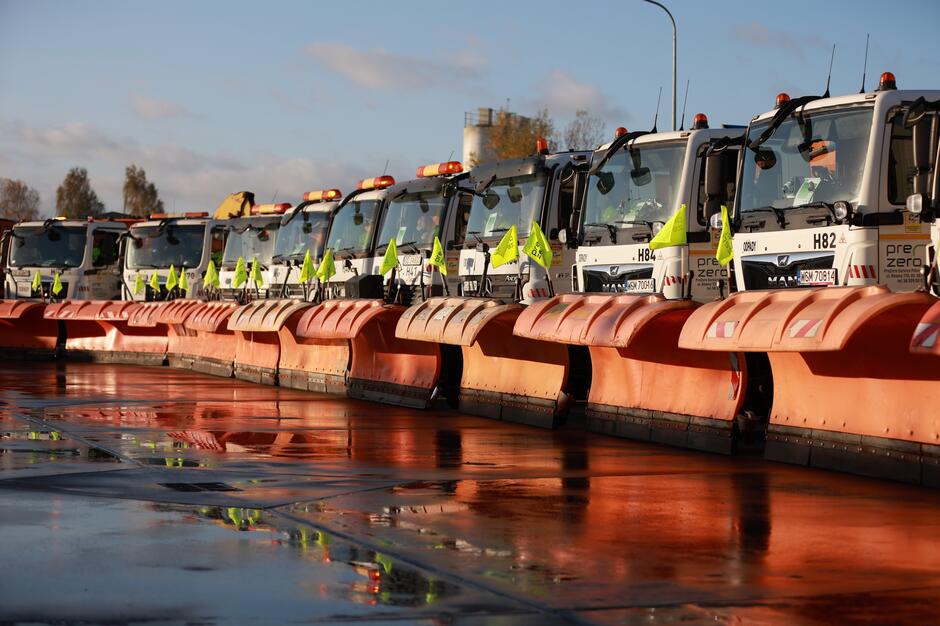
<point>819,204</point>
<point>476,235</point>
<point>778,214</point>
<point>610,229</point>
<point>346,249</point>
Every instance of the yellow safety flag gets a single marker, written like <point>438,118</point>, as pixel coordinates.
<point>438,259</point>
<point>184,283</point>
<point>138,285</point>
<point>537,247</point>
<point>241,273</point>
<point>256,277</point>
<point>725,250</point>
<point>327,267</point>
<point>672,233</point>
<point>306,269</point>
<point>390,260</point>
<point>508,248</point>
<point>171,280</point>
<point>211,279</point>
<point>155,282</point>
<point>37,282</point>
<point>57,284</point>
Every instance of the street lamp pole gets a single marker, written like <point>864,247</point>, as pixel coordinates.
<point>671,19</point>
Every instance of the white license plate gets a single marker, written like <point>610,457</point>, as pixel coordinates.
<point>643,285</point>
<point>470,287</point>
<point>817,278</point>
<point>408,272</point>
<point>411,259</point>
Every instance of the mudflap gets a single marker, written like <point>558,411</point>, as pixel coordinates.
<point>25,333</point>
<point>100,331</point>
<point>642,385</point>
<point>208,346</point>
<point>257,327</point>
<point>503,377</point>
<point>847,393</point>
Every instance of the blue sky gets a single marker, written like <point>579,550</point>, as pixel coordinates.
<point>281,97</point>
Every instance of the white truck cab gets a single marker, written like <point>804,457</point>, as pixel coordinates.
<point>416,212</point>
<point>249,238</point>
<point>822,193</point>
<point>543,188</point>
<point>636,183</point>
<point>84,253</point>
<point>303,228</point>
<point>187,241</point>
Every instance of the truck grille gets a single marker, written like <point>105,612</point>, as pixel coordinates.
<point>596,281</point>
<point>781,271</point>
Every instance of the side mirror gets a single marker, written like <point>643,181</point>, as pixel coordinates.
<point>605,182</point>
<point>514,194</point>
<point>562,235</point>
<point>921,141</point>
<point>715,221</point>
<point>714,175</point>
<point>307,228</point>
<point>641,176</point>
<point>490,200</point>
<point>915,204</point>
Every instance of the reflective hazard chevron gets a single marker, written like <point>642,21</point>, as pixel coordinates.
<point>926,335</point>
<point>804,328</point>
<point>862,271</point>
<point>722,330</point>
<point>672,280</point>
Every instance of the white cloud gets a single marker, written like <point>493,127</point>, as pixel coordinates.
<point>380,69</point>
<point>563,95</point>
<point>152,109</point>
<point>758,34</point>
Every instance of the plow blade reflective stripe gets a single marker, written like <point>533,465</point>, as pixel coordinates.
<point>101,330</point>
<point>642,385</point>
<point>209,346</point>
<point>927,332</point>
<point>503,377</point>
<point>356,347</point>
<point>257,328</point>
<point>25,331</point>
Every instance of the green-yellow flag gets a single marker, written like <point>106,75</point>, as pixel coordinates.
<point>725,251</point>
<point>438,259</point>
<point>256,276</point>
<point>138,285</point>
<point>241,273</point>
<point>327,267</point>
<point>57,284</point>
<point>508,248</point>
<point>184,282</point>
<point>390,260</point>
<point>155,282</point>
<point>306,269</point>
<point>211,279</point>
<point>672,233</point>
<point>171,280</point>
<point>537,247</point>
<point>37,282</point>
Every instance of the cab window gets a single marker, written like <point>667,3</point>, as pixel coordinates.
<point>901,169</point>
<point>219,235</point>
<point>104,251</point>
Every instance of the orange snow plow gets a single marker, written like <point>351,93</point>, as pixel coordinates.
<point>257,347</point>
<point>847,393</point>
<point>926,338</point>
<point>208,346</point>
<point>503,377</point>
<point>100,330</point>
<point>25,332</point>
<point>174,315</point>
<point>350,346</point>
<point>643,386</point>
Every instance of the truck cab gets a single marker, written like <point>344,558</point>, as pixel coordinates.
<point>635,184</point>
<point>822,193</point>
<point>186,241</point>
<point>544,188</point>
<point>303,228</point>
<point>249,238</point>
<point>85,254</point>
<point>418,211</point>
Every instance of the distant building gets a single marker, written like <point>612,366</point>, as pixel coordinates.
<point>476,129</point>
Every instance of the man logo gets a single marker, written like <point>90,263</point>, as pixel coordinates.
<point>783,260</point>
<point>614,270</point>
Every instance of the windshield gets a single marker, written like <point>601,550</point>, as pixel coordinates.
<point>821,162</point>
<point>412,218</point>
<point>299,236</point>
<point>636,186</point>
<point>516,200</point>
<point>351,232</point>
<point>255,242</point>
<point>159,247</point>
<point>56,246</point>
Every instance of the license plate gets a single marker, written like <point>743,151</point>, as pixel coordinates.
<point>643,285</point>
<point>408,272</point>
<point>411,259</point>
<point>470,287</point>
<point>817,278</point>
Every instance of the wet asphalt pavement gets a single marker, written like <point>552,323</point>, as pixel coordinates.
<point>133,495</point>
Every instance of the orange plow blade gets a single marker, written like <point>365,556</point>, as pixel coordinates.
<point>847,393</point>
<point>207,346</point>
<point>926,338</point>
<point>174,315</point>
<point>643,386</point>
<point>25,332</point>
<point>503,377</point>
<point>257,326</point>
<point>101,330</point>
<point>360,335</point>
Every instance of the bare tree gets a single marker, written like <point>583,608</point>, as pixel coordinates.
<point>584,132</point>
<point>18,201</point>
<point>140,196</point>
<point>514,135</point>
<point>75,198</point>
